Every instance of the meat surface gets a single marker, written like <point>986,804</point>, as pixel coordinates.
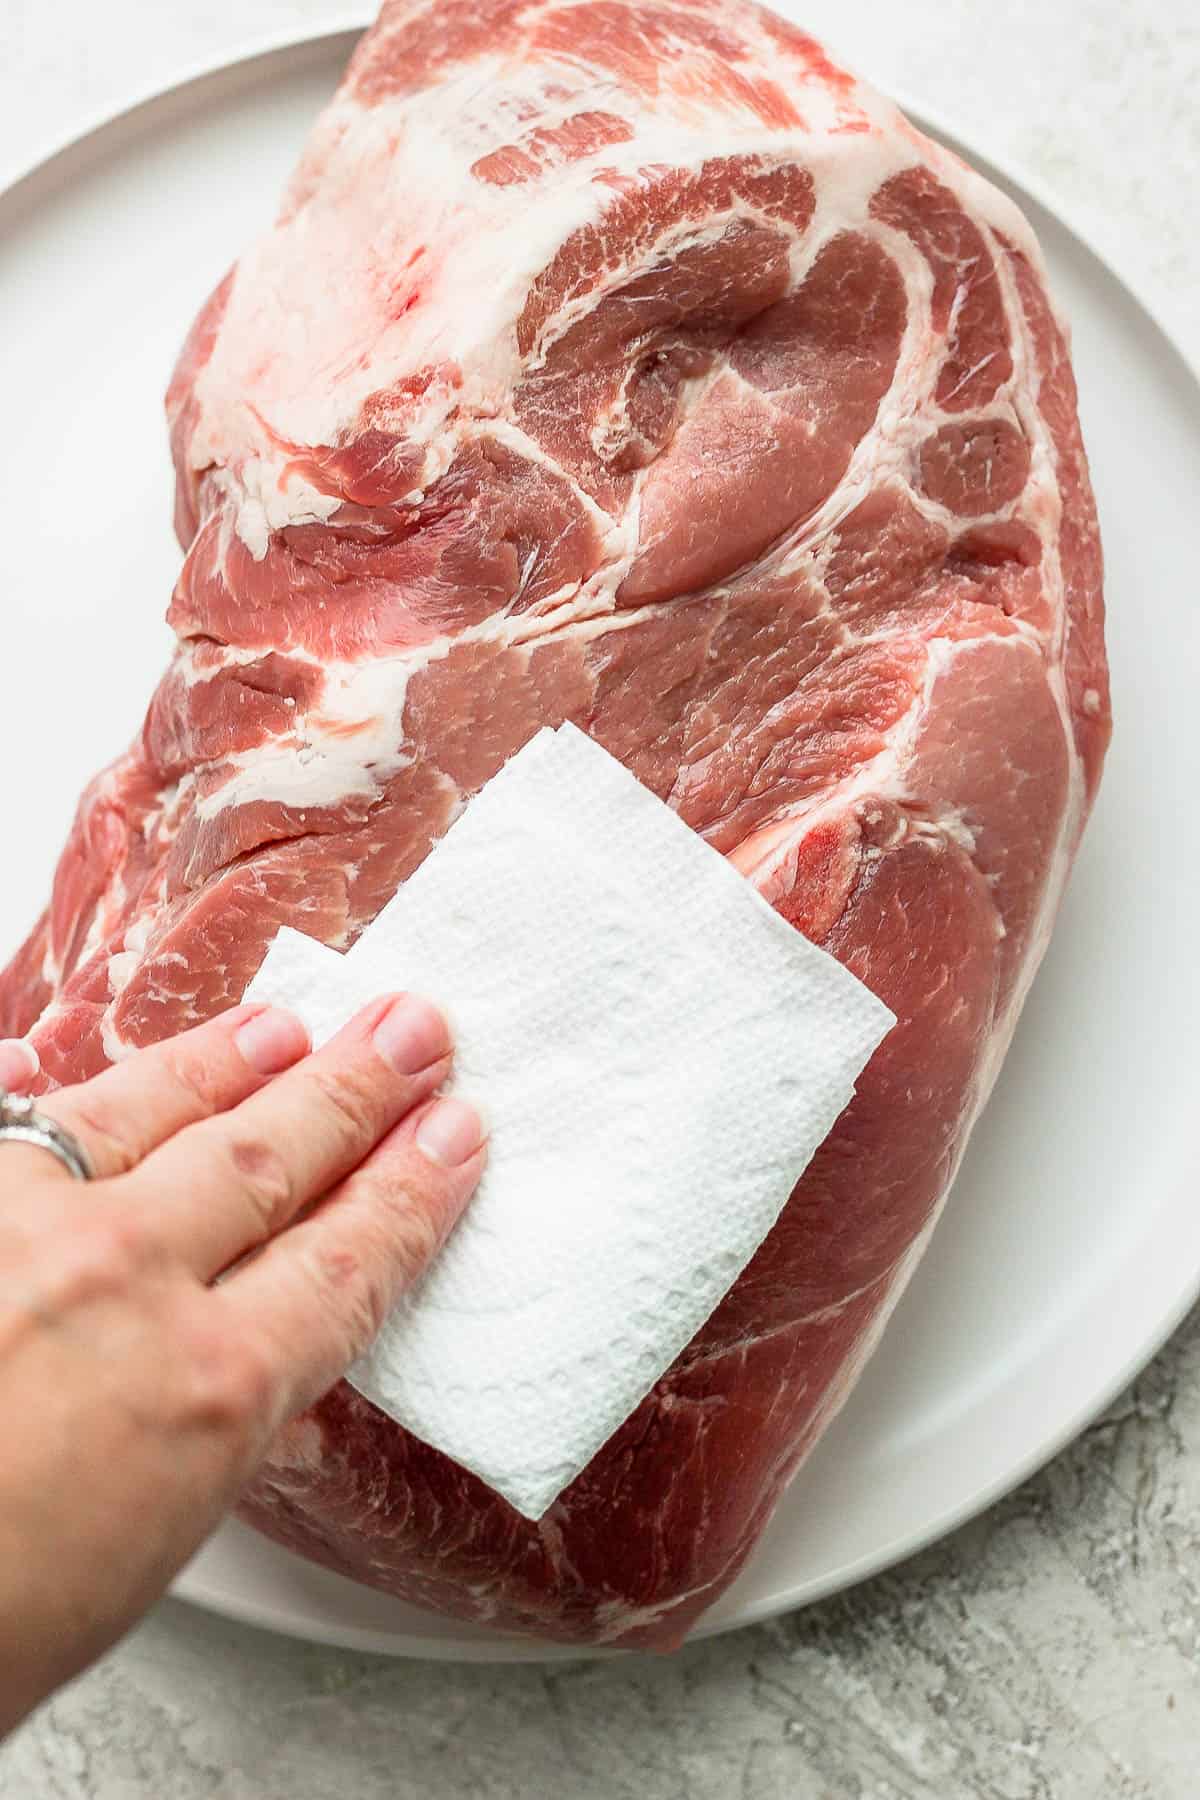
<point>626,362</point>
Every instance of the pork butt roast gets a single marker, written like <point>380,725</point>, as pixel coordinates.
<point>626,362</point>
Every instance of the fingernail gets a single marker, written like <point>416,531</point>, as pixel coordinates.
<point>411,1035</point>
<point>19,1061</point>
<point>272,1041</point>
<point>450,1133</point>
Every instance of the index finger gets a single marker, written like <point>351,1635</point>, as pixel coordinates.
<point>19,1065</point>
<point>123,1114</point>
<point>237,1179</point>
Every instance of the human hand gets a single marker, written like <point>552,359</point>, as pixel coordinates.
<point>137,1397</point>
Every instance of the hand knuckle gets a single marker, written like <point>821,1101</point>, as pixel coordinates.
<point>194,1077</point>
<point>352,1289</point>
<point>129,1230</point>
<point>254,1384</point>
<point>407,1232</point>
<point>347,1103</point>
<point>367,1310</point>
<point>113,1144</point>
<point>233,1383</point>
<point>260,1176</point>
<point>412,1213</point>
<point>416,1241</point>
<point>100,1260</point>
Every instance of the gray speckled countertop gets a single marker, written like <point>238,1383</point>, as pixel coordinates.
<point>1052,1647</point>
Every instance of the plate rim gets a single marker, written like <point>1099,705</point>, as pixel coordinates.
<point>279,49</point>
<point>290,39</point>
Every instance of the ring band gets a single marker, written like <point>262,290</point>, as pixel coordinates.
<point>21,1123</point>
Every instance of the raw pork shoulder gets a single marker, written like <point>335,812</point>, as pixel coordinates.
<point>630,363</point>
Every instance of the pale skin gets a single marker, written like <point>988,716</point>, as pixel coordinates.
<point>137,1392</point>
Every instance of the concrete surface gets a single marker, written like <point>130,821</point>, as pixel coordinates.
<point>1048,1651</point>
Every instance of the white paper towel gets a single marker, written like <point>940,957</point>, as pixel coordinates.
<point>657,1055</point>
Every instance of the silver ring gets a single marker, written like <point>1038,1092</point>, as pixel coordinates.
<point>22,1123</point>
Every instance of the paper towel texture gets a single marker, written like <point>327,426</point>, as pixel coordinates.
<point>657,1055</point>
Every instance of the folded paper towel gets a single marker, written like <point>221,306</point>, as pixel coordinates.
<point>657,1053</point>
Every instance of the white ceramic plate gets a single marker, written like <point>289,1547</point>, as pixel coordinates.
<point>1072,1245</point>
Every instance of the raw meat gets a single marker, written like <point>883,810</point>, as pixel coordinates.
<point>626,362</point>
